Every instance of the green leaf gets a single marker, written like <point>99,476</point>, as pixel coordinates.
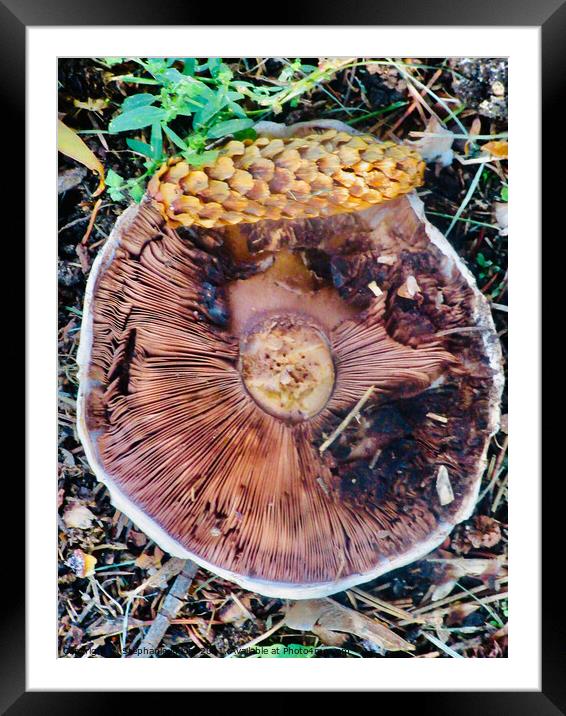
<point>214,64</point>
<point>482,261</point>
<point>235,107</point>
<point>137,100</point>
<point>173,76</point>
<point>505,193</point>
<point>136,119</point>
<point>285,651</point>
<point>196,141</point>
<point>195,96</point>
<point>206,113</point>
<point>115,194</point>
<point>113,179</point>
<point>199,160</point>
<point>229,127</point>
<point>189,65</point>
<point>132,79</point>
<point>175,138</point>
<point>111,61</point>
<point>156,140</point>
<point>156,65</point>
<point>136,192</point>
<point>140,147</point>
<point>246,134</point>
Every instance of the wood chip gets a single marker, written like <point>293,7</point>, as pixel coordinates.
<point>374,288</point>
<point>438,418</point>
<point>444,486</point>
<point>409,289</point>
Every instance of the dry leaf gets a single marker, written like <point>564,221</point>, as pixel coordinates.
<point>92,105</point>
<point>149,561</point>
<point>473,567</point>
<point>438,147</point>
<point>325,614</point>
<point>388,260</point>
<point>138,538</point>
<point>115,626</point>
<point>498,149</point>
<point>70,178</point>
<point>71,145</point>
<point>328,637</point>
<point>159,580</point>
<point>486,532</point>
<point>79,516</point>
<point>482,531</point>
<point>500,210</point>
<point>81,563</point>
<point>442,590</point>
<point>236,613</point>
<point>459,612</point>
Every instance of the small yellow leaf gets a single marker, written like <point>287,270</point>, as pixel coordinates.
<point>71,145</point>
<point>90,561</point>
<point>497,149</point>
<point>93,105</point>
<point>81,563</point>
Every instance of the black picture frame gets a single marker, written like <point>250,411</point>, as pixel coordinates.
<point>550,15</point>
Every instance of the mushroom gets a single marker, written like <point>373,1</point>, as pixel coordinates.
<point>287,374</point>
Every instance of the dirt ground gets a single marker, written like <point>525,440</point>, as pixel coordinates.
<point>458,595</point>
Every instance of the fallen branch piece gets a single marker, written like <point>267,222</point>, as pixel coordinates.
<point>167,611</point>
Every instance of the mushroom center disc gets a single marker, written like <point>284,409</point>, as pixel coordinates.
<point>286,365</point>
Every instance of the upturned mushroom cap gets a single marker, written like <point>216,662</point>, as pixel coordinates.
<point>286,373</point>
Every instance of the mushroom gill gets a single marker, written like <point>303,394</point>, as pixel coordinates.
<point>230,333</point>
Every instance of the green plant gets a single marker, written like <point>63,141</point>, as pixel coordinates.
<point>195,105</point>
<point>188,105</point>
<point>487,265</point>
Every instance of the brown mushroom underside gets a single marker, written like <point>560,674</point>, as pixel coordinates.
<point>178,433</point>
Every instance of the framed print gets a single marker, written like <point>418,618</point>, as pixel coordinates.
<point>295,356</point>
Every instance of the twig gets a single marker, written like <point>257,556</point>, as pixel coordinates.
<point>462,329</point>
<point>348,419</point>
<point>95,210</point>
<point>499,495</point>
<point>385,607</point>
<point>501,455</point>
<point>441,645</point>
<point>413,105</point>
<point>167,611</point>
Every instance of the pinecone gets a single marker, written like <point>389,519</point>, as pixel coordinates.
<point>289,178</point>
